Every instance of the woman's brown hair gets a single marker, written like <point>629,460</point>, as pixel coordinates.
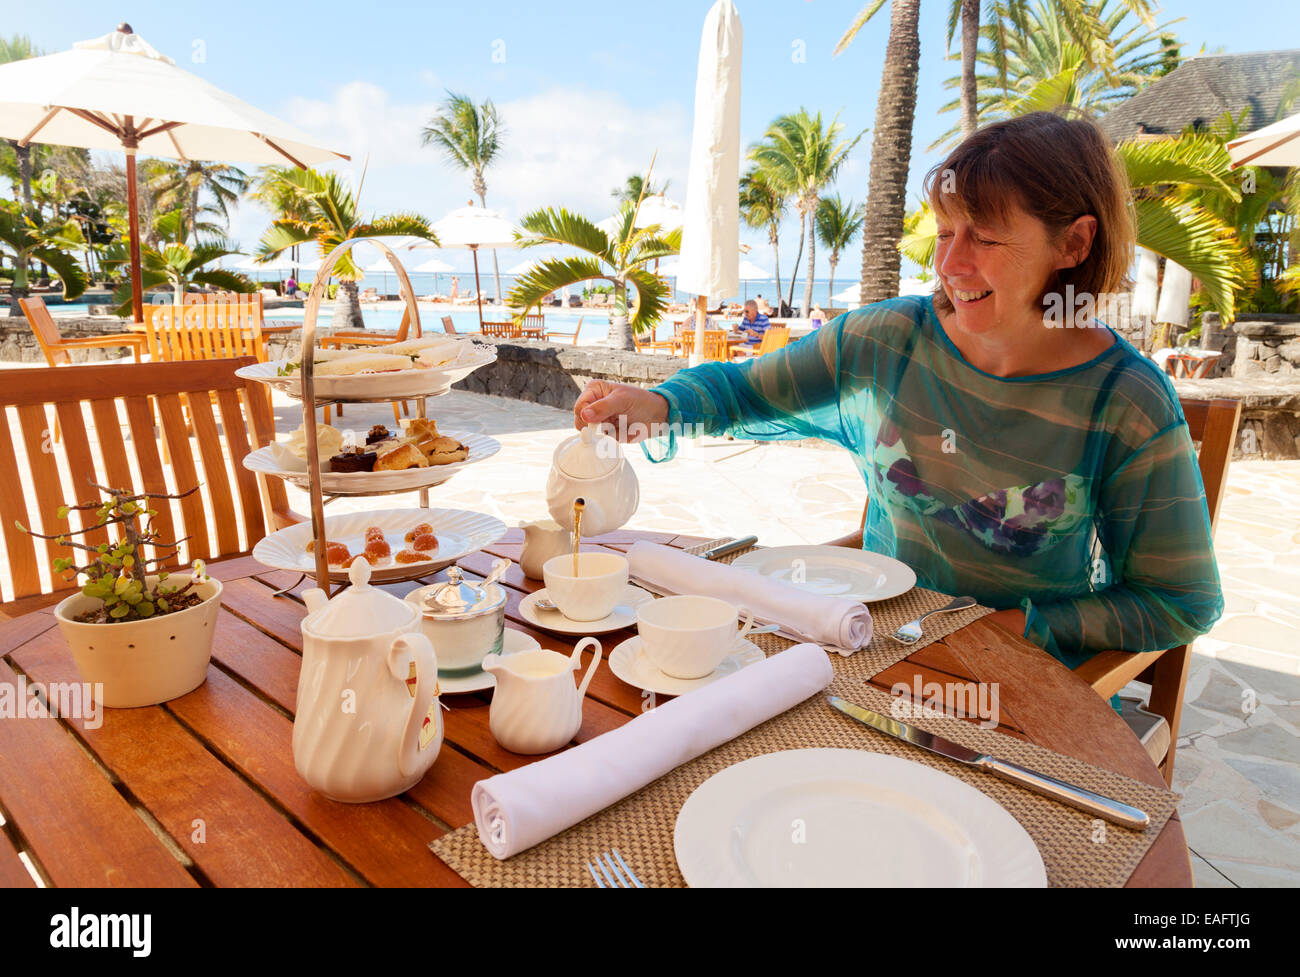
<point>1056,169</point>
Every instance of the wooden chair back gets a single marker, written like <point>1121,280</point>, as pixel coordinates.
<point>225,517</point>
<point>57,350</point>
<point>715,344</point>
<point>206,327</point>
<point>503,330</point>
<point>773,339</point>
<point>551,335</point>
<point>448,326</point>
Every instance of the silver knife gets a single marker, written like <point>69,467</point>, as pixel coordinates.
<point>722,549</point>
<point>1058,790</point>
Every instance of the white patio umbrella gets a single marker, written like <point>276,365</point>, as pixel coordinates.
<point>1175,295</point>
<point>1146,290</point>
<point>475,227</point>
<point>750,272</point>
<point>117,92</point>
<point>710,232</point>
<point>524,267</point>
<point>658,209</point>
<point>1274,145</point>
<point>435,267</point>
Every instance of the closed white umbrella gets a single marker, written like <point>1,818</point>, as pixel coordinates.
<point>473,228</point>
<point>1175,295</point>
<point>1274,145</point>
<point>1146,291</point>
<point>710,232</point>
<point>117,92</point>
<point>660,210</point>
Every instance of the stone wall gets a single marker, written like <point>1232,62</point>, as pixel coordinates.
<point>1267,344</point>
<point>1270,412</point>
<point>554,374</point>
<point>18,342</point>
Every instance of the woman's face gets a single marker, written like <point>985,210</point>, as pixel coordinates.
<point>994,273</point>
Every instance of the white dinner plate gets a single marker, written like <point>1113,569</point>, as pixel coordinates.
<point>459,531</point>
<point>512,641</point>
<point>480,446</point>
<point>629,662</point>
<point>392,385</point>
<point>832,571</point>
<point>623,616</point>
<point>848,818</point>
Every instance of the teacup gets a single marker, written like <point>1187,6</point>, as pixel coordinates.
<point>594,592</point>
<point>689,636</point>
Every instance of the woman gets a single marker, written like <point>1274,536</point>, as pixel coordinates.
<point>1043,468</point>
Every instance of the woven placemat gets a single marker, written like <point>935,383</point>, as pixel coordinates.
<point>1077,850</point>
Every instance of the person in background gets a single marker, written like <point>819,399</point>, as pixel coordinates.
<point>763,307</point>
<point>290,286</point>
<point>753,324</point>
<point>455,288</point>
<point>817,316</point>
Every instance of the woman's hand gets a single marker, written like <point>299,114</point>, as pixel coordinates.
<point>632,410</point>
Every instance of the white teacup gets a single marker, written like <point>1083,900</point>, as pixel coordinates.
<point>594,592</point>
<point>689,636</point>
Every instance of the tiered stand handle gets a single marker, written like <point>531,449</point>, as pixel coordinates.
<point>309,402</point>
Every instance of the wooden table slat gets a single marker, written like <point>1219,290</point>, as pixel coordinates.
<point>13,873</point>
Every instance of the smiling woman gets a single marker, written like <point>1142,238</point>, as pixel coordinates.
<point>1045,471</point>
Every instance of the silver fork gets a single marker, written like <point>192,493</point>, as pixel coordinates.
<point>910,633</point>
<point>607,875</point>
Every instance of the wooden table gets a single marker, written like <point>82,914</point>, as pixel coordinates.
<point>202,790</point>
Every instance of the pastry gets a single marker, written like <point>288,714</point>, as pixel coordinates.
<point>404,455</point>
<point>445,450</point>
<point>354,460</point>
<point>425,542</point>
<point>377,433</point>
<point>419,530</point>
<point>410,556</point>
<point>366,363</point>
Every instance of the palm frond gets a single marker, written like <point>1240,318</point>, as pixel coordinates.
<point>864,15</point>
<point>1198,241</point>
<point>549,276</point>
<point>66,267</point>
<point>1194,160</point>
<point>651,299</point>
<point>559,226</point>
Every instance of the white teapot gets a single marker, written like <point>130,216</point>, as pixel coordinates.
<point>368,723</point>
<point>591,466</point>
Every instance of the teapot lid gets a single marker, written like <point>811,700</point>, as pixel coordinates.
<point>590,454</point>
<point>360,610</point>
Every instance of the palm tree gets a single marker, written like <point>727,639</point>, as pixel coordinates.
<point>19,48</point>
<point>763,204</point>
<point>179,187</point>
<point>618,257</point>
<point>1041,65</point>
<point>176,263</point>
<point>324,211</point>
<point>470,137</point>
<point>636,188</point>
<point>838,224</point>
<point>27,236</point>
<point>891,147</point>
<point>803,156</point>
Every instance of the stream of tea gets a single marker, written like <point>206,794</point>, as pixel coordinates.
<point>578,505</point>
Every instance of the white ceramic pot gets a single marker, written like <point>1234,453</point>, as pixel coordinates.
<point>143,663</point>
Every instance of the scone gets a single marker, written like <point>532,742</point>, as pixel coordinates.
<point>404,455</point>
<point>444,451</point>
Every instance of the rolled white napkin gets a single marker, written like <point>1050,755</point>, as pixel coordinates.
<point>839,623</point>
<point>519,809</point>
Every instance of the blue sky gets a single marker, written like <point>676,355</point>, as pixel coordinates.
<point>588,90</point>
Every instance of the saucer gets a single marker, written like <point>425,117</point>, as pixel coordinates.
<point>511,641</point>
<point>631,664</point>
<point>624,615</point>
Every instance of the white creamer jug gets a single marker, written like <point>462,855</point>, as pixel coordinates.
<point>535,707</point>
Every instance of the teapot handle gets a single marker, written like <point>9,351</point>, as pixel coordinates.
<point>408,648</point>
<point>576,658</point>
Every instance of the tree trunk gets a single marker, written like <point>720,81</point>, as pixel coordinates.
<point>24,156</point>
<point>347,308</point>
<point>194,213</point>
<point>776,268</point>
<point>620,330</point>
<point>812,255</point>
<point>830,289</point>
<point>891,151</point>
<point>970,38</point>
<point>794,275</point>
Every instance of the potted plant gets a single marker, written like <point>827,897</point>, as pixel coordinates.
<point>139,635</point>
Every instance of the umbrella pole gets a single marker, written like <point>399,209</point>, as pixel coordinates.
<point>133,211</point>
<point>478,289</point>
<point>701,312</point>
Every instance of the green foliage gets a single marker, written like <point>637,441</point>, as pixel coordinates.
<point>29,235</point>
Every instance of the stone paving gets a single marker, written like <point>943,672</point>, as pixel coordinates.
<point>1238,764</point>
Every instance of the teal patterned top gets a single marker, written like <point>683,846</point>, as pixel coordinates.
<point>1074,495</point>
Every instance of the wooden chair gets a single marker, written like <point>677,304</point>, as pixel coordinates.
<point>57,349</point>
<point>448,326</point>
<point>572,337</point>
<point>650,344</point>
<point>715,344</point>
<point>773,339</point>
<point>534,327</point>
<point>1212,424</point>
<point>204,330</point>
<point>227,515</point>
<point>503,330</point>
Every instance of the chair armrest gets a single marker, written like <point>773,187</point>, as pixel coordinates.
<point>853,540</point>
<point>1109,671</point>
<point>106,342</point>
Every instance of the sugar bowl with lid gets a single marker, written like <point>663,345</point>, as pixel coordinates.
<point>465,621</point>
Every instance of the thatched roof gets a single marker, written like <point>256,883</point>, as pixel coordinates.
<point>1200,90</point>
